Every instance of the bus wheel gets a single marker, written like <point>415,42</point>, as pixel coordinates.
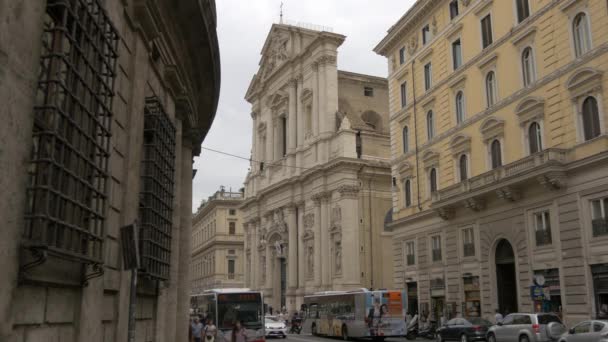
<point>345,333</point>
<point>314,330</point>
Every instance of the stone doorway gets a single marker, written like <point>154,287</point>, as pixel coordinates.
<point>506,280</point>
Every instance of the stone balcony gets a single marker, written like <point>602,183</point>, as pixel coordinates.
<point>547,168</point>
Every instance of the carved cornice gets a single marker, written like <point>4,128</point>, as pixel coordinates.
<point>492,128</point>
<point>446,213</point>
<point>327,60</point>
<point>553,180</point>
<point>430,159</point>
<point>530,109</point>
<point>474,204</point>
<point>583,82</point>
<point>348,191</point>
<point>460,144</point>
<point>525,36</point>
<point>321,197</point>
<point>508,194</point>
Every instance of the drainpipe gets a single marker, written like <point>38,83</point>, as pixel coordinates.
<point>416,137</point>
<point>371,241</point>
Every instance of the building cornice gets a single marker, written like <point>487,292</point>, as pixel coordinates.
<point>336,165</point>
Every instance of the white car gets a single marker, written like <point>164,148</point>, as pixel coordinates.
<point>587,331</point>
<point>275,327</point>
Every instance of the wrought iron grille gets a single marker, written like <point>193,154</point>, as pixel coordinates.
<point>67,189</point>
<point>600,226</point>
<point>469,249</point>
<point>156,197</point>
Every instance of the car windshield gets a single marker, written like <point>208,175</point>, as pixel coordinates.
<point>546,319</point>
<point>271,319</point>
<point>478,321</point>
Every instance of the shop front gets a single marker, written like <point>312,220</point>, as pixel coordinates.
<point>437,299</point>
<point>600,289</point>
<point>547,294</point>
<point>472,297</point>
<point>412,298</point>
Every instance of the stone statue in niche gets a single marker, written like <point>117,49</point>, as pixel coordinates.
<point>338,256</point>
<point>413,45</point>
<point>336,216</point>
<point>309,220</point>
<point>279,248</point>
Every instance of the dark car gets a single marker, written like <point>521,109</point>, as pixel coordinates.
<point>464,329</point>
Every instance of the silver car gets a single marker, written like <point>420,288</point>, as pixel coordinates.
<point>524,327</point>
<point>587,331</point>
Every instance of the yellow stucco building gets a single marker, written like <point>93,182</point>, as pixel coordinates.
<point>499,156</point>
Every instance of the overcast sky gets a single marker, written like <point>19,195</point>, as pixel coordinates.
<point>242,29</point>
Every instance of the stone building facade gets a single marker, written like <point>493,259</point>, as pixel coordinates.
<point>499,136</point>
<point>105,103</point>
<point>319,184</point>
<point>217,243</point>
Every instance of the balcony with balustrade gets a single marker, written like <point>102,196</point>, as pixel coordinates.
<point>547,168</point>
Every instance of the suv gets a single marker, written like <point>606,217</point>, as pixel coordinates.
<point>523,327</point>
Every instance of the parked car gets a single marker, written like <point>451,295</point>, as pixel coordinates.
<point>587,331</point>
<point>275,327</point>
<point>525,327</point>
<point>464,329</point>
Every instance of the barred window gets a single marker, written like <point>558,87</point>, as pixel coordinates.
<point>67,190</point>
<point>156,197</point>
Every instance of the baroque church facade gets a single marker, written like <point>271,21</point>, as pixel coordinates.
<point>319,185</point>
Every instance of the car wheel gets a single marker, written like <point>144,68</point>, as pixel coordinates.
<point>345,333</point>
<point>524,339</point>
<point>464,338</point>
<point>491,338</point>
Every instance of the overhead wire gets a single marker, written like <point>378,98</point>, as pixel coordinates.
<point>252,160</point>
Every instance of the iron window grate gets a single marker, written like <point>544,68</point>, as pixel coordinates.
<point>156,197</point>
<point>67,190</point>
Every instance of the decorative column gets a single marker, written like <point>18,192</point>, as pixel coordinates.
<point>315,98</point>
<point>270,140</point>
<point>325,238</point>
<point>254,141</point>
<point>317,241</point>
<point>291,121</point>
<point>300,129</point>
<point>292,256</point>
<point>349,207</point>
<point>268,259</point>
<point>321,111</point>
<point>301,254</point>
<point>330,72</point>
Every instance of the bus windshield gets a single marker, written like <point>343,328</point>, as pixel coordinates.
<point>245,307</point>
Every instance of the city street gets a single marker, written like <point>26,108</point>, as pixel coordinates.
<point>310,338</point>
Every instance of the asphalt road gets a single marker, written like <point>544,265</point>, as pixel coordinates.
<point>310,338</point>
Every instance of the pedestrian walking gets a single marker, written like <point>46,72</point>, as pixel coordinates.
<point>498,317</point>
<point>210,331</point>
<point>196,329</point>
<point>238,333</point>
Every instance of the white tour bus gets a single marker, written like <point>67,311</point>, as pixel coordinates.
<point>356,314</point>
<point>227,306</point>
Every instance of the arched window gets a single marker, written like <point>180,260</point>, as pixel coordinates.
<point>581,35</point>
<point>459,107</point>
<point>534,138</point>
<point>527,66</point>
<point>591,118</point>
<point>463,167</point>
<point>496,154</point>
<point>433,179</point>
<point>430,125</point>
<point>491,88</point>
<point>408,193</point>
<point>406,139</point>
